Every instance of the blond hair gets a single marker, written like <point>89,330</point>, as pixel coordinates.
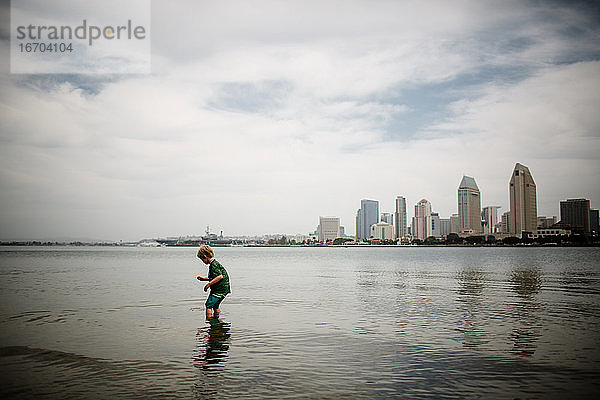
<point>206,252</point>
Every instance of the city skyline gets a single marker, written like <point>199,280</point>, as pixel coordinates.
<point>471,216</point>
<point>259,122</point>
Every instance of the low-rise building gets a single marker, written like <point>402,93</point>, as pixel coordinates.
<point>546,222</point>
<point>550,232</point>
<point>382,231</point>
<point>329,228</point>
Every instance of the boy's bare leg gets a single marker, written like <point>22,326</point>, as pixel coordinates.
<point>209,313</point>
<point>217,312</point>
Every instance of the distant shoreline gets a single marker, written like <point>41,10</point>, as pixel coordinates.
<point>92,244</point>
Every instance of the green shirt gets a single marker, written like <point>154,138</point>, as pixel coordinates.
<point>222,287</point>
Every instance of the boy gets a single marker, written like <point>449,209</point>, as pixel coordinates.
<point>218,281</point>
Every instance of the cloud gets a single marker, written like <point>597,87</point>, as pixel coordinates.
<point>259,122</point>
<point>547,121</point>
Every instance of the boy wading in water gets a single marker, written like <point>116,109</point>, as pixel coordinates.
<point>218,281</point>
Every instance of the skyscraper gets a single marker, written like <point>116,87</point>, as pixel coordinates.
<point>505,222</point>
<point>358,223</point>
<point>454,225</point>
<point>523,201</point>
<point>387,218</point>
<point>469,205</point>
<point>576,214</point>
<point>436,225</point>
<point>400,218</point>
<point>367,215</point>
<point>489,215</point>
<point>421,222</point>
<point>444,226</point>
<point>594,221</point>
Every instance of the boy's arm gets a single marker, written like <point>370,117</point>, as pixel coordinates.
<point>202,278</point>
<point>215,280</point>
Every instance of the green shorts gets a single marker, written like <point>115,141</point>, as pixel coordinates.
<point>214,300</point>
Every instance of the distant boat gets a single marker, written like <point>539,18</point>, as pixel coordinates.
<point>149,244</point>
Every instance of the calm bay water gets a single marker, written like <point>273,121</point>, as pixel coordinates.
<point>301,322</point>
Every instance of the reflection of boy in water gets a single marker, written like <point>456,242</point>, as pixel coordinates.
<point>213,344</point>
<point>216,345</point>
<point>218,281</point>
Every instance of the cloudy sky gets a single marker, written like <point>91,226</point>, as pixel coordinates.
<point>261,116</point>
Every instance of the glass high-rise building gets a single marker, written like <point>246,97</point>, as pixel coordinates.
<point>523,201</point>
<point>367,215</point>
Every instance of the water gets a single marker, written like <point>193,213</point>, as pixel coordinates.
<point>301,322</point>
